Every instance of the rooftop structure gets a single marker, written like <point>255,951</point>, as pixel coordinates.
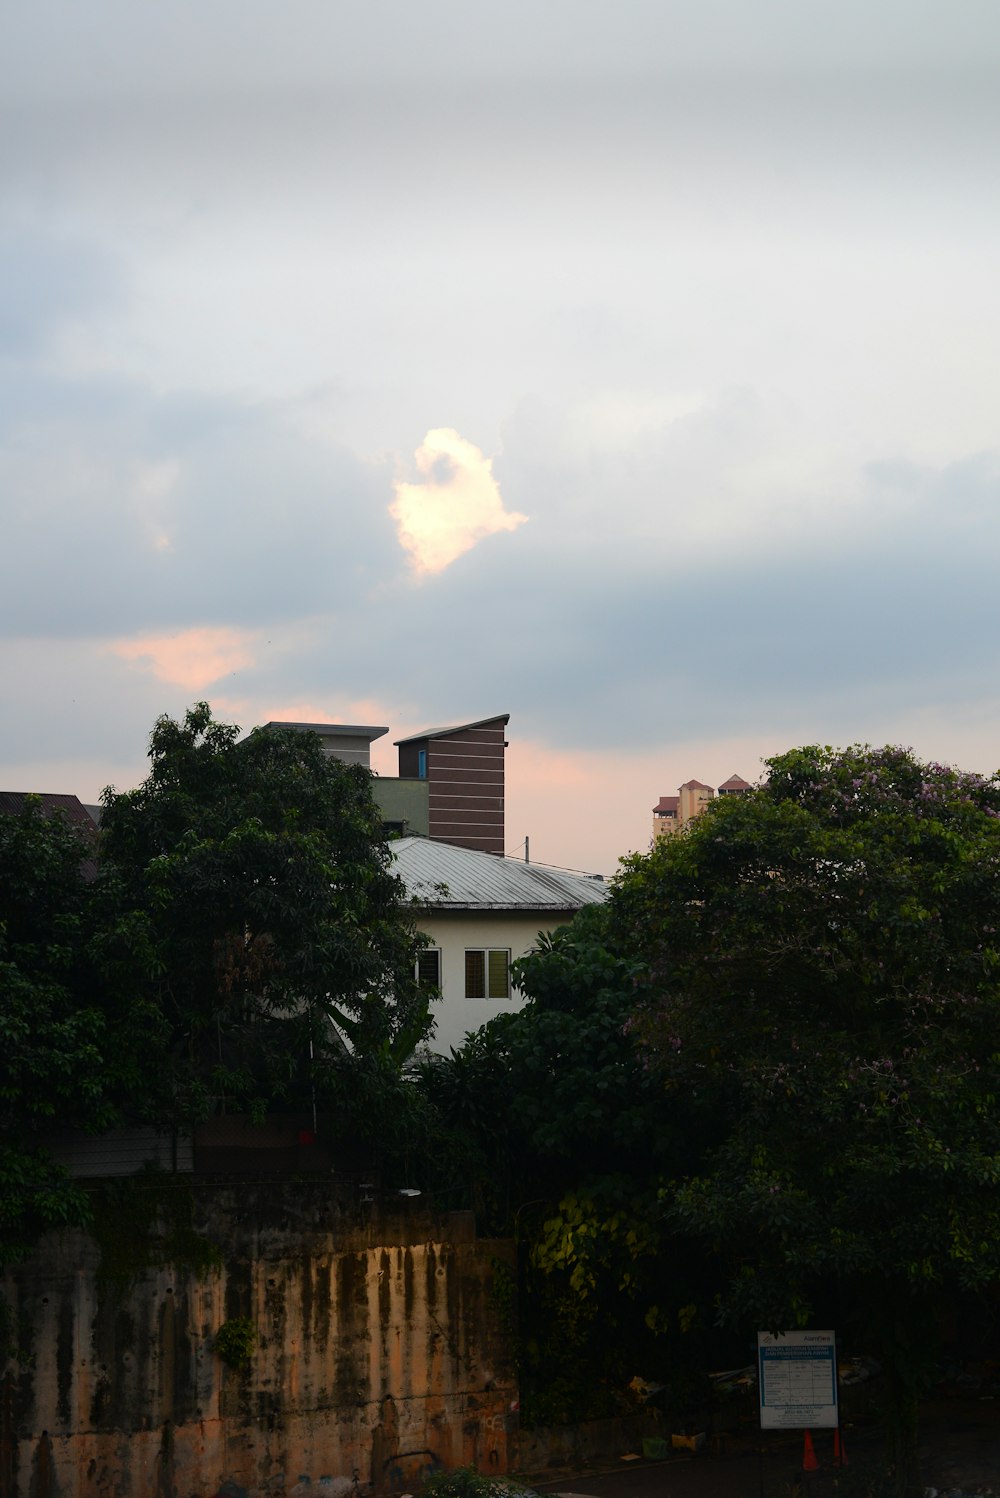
<point>350,742</point>
<point>450,785</point>
<point>83,819</point>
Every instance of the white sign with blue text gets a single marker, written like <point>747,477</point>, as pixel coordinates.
<point>797,1378</point>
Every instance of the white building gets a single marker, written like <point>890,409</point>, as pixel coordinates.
<point>480,913</point>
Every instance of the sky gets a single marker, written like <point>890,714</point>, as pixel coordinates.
<point>629,366</point>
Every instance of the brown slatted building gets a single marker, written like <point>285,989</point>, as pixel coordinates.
<point>463,767</point>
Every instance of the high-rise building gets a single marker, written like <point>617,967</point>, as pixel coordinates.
<point>672,813</point>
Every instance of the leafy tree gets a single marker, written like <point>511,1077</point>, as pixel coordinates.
<point>559,1132</point>
<point>250,880</point>
<point>822,973</point>
<point>53,1033</point>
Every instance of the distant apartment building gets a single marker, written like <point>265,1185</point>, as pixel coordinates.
<point>672,813</point>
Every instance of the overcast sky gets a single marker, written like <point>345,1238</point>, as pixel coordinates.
<point>627,367</point>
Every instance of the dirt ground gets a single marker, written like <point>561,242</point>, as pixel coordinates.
<point>959,1447</point>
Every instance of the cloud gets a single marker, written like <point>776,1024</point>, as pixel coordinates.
<point>192,659</point>
<point>456,503</point>
<point>142,514</point>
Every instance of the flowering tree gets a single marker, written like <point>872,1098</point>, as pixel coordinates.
<point>822,970</point>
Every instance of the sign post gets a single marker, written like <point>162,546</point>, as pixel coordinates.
<point>797,1380</point>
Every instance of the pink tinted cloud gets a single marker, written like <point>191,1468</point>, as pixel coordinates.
<point>365,710</point>
<point>192,659</point>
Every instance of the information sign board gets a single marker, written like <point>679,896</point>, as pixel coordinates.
<point>797,1380</point>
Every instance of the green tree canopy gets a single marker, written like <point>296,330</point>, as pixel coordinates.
<point>822,970</point>
<point>562,1131</point>
<point>54,1034</point>
<point>251,877</point>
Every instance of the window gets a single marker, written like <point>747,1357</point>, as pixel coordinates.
<point>429,968</point>
<point>422,763</point>
<point>487,973</point>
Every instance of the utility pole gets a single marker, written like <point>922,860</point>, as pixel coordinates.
<point>526,858</point>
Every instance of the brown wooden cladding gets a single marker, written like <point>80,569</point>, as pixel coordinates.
<point>442,765</point>
<point>467,803</point>
<point>444,757</point>
<point>467,777</point>
<point>476,821</point>
<point>481,735</point>
<point>465,784</point>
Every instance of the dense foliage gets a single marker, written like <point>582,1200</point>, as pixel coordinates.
<point>760,1085</point>
<point>52,1030</point>
<point>277,940</point>
<point>243,944</point>
<point>564,1136</point>
<point>761,1081</point>
<point>822,971</point>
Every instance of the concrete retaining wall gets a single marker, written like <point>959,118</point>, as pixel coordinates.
<point>378,1357</point>
<point>593,1443</point>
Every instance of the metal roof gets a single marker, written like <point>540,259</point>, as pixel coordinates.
<point>332,730</point>
<point>441,733</point>
<point>440,876</point>
<point>57,804</point>
<point>49,804</point>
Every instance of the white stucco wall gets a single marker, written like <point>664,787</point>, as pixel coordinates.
<point>455,931</point>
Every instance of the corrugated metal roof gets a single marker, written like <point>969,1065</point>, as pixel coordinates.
<point>440,876</point>
<point>440,733</point>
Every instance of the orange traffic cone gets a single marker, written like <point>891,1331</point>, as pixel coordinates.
<point>809,1462</point>
<point>839,1449</point>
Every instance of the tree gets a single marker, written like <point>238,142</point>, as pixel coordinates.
<point>822,972</point>
<point>252,878</point>
<point>559,1133</point>
<point>53,1032</point>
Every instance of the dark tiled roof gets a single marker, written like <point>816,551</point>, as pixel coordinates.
<point>72,808</point>
<point>736,783</point>
<point>667,803</point>
<point>52,804</point>
<point>696,785</point>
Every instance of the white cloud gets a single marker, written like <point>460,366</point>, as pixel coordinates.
<point>455,504</point>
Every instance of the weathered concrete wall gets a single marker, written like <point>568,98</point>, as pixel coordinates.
<point>378,1356</point>
<point>592,1443</point>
